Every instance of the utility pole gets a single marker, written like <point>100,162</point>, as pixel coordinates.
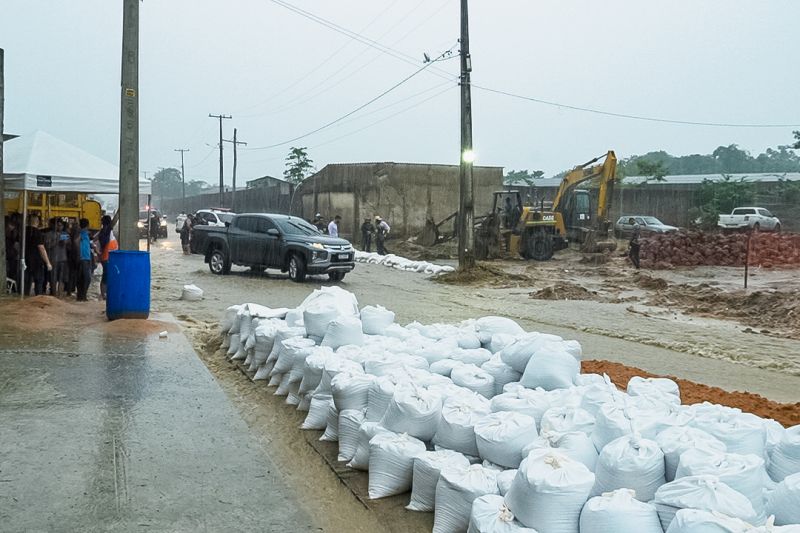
<point>235,143</point>
<point>129,129</point>
<point>466,234</point>
<point>3,273</point>
<point>183,179</point>
<point>221,174</point>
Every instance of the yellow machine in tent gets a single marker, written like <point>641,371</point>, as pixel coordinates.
<point>535,233</point>
<point>60,205</point>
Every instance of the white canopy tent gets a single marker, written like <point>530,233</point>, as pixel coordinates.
<point>43,163</point>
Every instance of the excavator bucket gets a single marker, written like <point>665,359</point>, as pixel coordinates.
<point>592,244</point>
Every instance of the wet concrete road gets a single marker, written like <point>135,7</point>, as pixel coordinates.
<point>103,433</point>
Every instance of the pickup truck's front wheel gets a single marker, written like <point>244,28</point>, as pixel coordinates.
<point>297,268</point>
<point>218,264</point>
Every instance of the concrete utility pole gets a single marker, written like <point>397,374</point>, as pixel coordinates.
<point>466,234</point>
<point>3,273</point>
<point>221,172</point>
<point>129,129</point>
<point>235,160</point>
<point>183,179</point>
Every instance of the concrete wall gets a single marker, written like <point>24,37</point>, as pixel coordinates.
<point>404,194</point>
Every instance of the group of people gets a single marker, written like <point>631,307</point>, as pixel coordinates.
<point>379,231</point>
<point>58,260</point>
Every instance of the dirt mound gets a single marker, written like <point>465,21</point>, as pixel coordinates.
<point>773,310</point>
<point>482,274</point>
<point>564,291</point>
<point>417,252</point>
<point>135,327</point>
<point>695,248</point>
<point>48,312</point>
<point>648,282</point>
<point>787,414</point>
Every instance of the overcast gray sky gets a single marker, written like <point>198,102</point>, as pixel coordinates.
<point>282,75</point>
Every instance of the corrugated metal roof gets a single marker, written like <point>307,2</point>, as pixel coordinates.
<point>371,163</point>
<point>684,179</point>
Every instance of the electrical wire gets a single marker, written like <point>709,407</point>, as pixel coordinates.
<point>633,117</point>
<point>202,160</point>
<point>357,109</point>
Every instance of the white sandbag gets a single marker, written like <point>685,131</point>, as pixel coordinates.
<point>350,421</point>
<point>343,331</point>
<point>701,492</point>
<point>700,521</point>
<point>283,387</point>
<point>316,320</point>
<point>444,367</point>
<point>468,340</point>
<point>500,341</point>
<point>343,301</point>
<point>743,473</point>
<point>275,380</point>
<point>549,492</point>
<point>413,410</point>
<point>280,336</point>
<point>305,402</point>
<point>437,351</point>
<point>294,318</point>
<point>675,440</point>
<point>487,326</point>
<point>530,402</point>
<point>615,420</point>
<point>264,335</point>
<point>517,354</point>
<point>313,367</point>
<point>501,437</point>
<point>317,417</point>
<point>391,463</point>
<point>474,356</point>
<point>192,293</point>
<point>564,419</point>
<point>504,480</point>
<point>473,378</point>
<point>234,341</point>
<point>630,462</point>
<point>228,317</point>
<point>380,393</point>
<point>742,433</point>
<point>375,319</point>
<point>350,391</point>
<point>574,348</point>
<point>619,512</point>
<point>575,444</point>
<point>456,429</point>
<point>386,363</point>
<point>491,515</point>
<point>550,368</point>
<point>501,372</point>
<point>332,424</point>
<point>427,467</point>
<point>333,366</point>
<point>785,457</point>
<point>262,373</point>
<point>456,490</point>
<point>360,460</point>
<point>639,386</point>
<point>784,501</point>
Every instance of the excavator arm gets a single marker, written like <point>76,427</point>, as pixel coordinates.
<point>607,172</point>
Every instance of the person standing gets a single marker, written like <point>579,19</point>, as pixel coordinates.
<point>50,239</point>
<point>319,222</point>
<point>85,255</point>
<point>633,246</point>
<point>73,257</point>
<point>186,231</point>
<point>382,230</point>
<point>12,249</point>
<point>367,230</point>
<point>36,259</point>
<point>154,223</point>
<point>59,259</point>
<point>333,226</point>
<point>107,243</point>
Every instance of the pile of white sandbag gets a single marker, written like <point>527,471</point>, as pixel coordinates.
<point>401,263</point>
<point>494,429</point>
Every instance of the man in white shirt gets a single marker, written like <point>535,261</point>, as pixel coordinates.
<point>333,226</point>
<point>382,232</point>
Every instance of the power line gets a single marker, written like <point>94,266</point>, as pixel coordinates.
<point>359,108</point>
<point>634,117</point>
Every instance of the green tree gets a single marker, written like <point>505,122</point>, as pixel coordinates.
<point>715,197</point>
<point>517,176</point>
<point>651,170</point>
<point>166,183</point>
<point>297,165</point>
<point>796,144</point>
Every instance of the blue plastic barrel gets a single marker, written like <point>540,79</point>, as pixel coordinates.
<point>128,285</point>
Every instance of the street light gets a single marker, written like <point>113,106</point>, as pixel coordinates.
<point>468,156</point>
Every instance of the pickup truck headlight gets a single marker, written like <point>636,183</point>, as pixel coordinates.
<point>140,224</point>
<point>318,256</point>
<point>317,245</point>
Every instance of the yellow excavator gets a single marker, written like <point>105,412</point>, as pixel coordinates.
<point>537,233</point>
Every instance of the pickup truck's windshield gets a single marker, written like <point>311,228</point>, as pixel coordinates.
<point>296,226</point>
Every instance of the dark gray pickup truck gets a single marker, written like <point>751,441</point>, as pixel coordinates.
<point>261,241</point>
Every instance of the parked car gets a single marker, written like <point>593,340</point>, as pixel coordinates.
<point>213,217</point>
<point>625,225</point>
<point>262,241</point>
<point>143,225</point>
<point>757,218</point>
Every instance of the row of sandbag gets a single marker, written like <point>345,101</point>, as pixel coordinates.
<point>358,425</point>
<point>401,263</point>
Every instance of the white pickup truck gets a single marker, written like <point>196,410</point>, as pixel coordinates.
<point>758,218</point>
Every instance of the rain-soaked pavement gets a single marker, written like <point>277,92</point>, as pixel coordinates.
<point>101,432</point>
